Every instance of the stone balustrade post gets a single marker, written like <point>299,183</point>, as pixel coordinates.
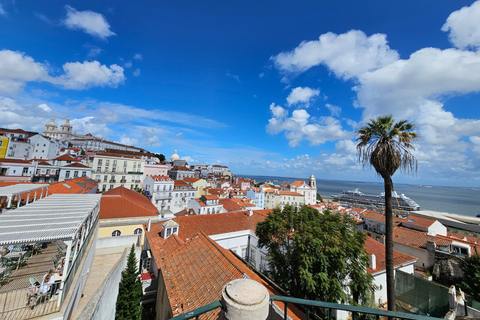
<point>245,299</point>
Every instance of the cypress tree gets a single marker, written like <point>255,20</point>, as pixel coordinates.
<point>129,291</point>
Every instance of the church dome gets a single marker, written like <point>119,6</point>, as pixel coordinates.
<point>174,157</point>
<point>312,176</point>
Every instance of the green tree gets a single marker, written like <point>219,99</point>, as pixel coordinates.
<point>386,146</point>
<point>471,276</point>
<point>141,191</point>
<point>160,157</point>
<point>319,197</point>
<point>129,291</point>
<point>316,256</point>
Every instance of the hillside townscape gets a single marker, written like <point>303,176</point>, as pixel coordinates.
<point>240,160</point>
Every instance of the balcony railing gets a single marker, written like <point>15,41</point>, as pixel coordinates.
<point>307,305</point>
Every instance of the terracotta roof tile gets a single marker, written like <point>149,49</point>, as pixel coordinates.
<point>196,271</point>
<point>124,203</point>
<point>417,239</point>
<point>374,247</point>
<point>298,183</point>
<point>290,193</point>
<point>77,165</point>
<point>422,222</point>
<point>64,157</point>
<point>180,183</point>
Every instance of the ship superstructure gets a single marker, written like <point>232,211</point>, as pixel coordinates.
<point>399,202</point>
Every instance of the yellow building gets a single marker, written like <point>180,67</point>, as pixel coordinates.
<point>198,184</point>
<point>122,215</point>
<point>3,145</point>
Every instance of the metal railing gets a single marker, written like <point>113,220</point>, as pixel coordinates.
<point>14,304</point>
<point>308,305</point>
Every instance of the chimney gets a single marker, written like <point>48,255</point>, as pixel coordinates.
<point>373,261</point>
<point>250,212</point>
<point>149,224</point>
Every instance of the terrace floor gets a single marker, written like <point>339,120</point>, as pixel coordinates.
<point>13,294</point>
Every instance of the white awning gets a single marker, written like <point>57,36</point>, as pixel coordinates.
<point>20,188</point>
<point>57,217</point>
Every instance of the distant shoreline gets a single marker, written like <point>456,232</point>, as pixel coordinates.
<point>354,181</point>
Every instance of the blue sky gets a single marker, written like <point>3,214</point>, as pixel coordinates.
<point>265,87</point>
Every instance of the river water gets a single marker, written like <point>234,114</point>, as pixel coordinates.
<point>464,201</point>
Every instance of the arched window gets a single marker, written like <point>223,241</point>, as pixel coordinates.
<point>116,233</point>
<point>137,231</point>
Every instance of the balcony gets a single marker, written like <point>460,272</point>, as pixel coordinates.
<point>123,180</point>
<point>134,172</point>
<point>112,180</point>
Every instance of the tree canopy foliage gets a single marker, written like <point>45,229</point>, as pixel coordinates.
<point>316,256</point>
<point>129,291</point>
<point>471,278</point>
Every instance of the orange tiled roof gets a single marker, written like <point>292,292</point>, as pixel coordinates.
<point>162,178</point>
<point>379,217</point>
<point>417,239</point>
<point>78,185</point>
<point>374,247</point>
<point>298,183</point>
<point>15,160</point>
<point>229,205</point>
<point>219,223</point>
<point>195,272</point>
<point>190,179</point>
<point>64,157</point>
<point>180,168</point>
<point>77,165</point>
<point>124,203</point>
<point>419,221</point>
<point>290,193</point>
<point>210,197</point>
<point>180,183</point>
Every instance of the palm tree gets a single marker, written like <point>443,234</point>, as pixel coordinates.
<point>386,146</point>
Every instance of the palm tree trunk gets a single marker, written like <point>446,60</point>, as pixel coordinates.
<point>389,244</point>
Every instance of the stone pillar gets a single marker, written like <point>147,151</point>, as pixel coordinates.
<point>245,299</point>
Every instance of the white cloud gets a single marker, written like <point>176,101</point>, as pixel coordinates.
<point>128,64</point>
<point>45,107</point>
<point>334,110</point>
<point>91,124</point>
<point>26,116</point>
<point>346,147</point>
<point>79,76</point>
<point>189,160</point>
<point>2,11</point>
<point>302,95</point>
<point>16,68</point>
<point>137,56</point>
<point>300,127</point>
<point>88,21</point>
<point>347,54</point>
<point>261,75</point>
<point>463,27</point>
<point>129,141</point>
<point>93,52</point>
<point>136,73</point>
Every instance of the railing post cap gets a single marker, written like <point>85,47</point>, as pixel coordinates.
<point>245,299</point>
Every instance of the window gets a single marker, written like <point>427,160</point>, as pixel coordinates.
<point>137,231</point>
<point>253,252</point>
<point>174,229</point>
<point>169,232</point>
<point>116,233</point>
<point>97,177</point>
<point>244,252</point>
<point>107,163</point>
<point>111,187</point>
<point>114,163</point>
<point>84,174</point>
<point>124,163</point>
<point>75,174</point>
<point>104,187</point>
<point>67,174</point>
<point>105,178</point>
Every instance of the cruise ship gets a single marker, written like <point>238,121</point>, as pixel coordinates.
<point>399,202</point>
